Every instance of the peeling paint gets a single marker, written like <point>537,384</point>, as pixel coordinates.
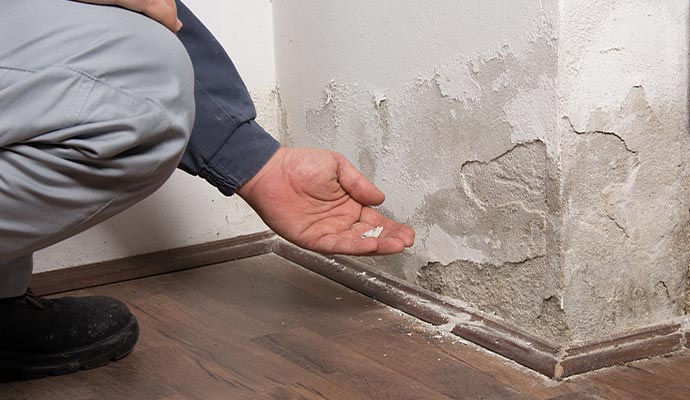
<point>503,202</point>
<point>456,155</point>
<point>287,136</point>
<point>557,151</point>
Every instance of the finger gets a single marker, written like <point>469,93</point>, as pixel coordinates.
<point>178,23</point>
<point>163,11</point>
<point>394,238</point>
<point>356,184</point>
<point>336,244</point>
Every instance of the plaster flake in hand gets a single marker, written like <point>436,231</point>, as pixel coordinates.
<point>373,233</point>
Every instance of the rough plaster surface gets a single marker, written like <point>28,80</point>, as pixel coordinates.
<point>539,148</point>
<point>625,146</point>
<point>626,231</point>
<point>492,288</point>
<point>504,227</point>
<point>461,136</point>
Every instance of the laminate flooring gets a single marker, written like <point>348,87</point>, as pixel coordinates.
<point>265,328</point>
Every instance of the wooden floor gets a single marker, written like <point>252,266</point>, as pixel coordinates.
<point>264,328</point>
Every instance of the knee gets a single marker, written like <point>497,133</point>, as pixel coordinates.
<point>139,56</point>
<point>117,90</point>
<point>166,79</point>
<point>161,70</point>
<point>143,95</point>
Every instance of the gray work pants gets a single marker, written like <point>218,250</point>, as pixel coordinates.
<point>96,108</point>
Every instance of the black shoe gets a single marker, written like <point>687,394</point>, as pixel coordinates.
<point>41,337</point>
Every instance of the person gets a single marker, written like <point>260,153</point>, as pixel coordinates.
<point>100,101</point>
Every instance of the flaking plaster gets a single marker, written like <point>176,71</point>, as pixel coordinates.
<point>538,148</point>
<point>463,143</point>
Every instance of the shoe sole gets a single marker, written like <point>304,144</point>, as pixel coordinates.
<point>14,366</point>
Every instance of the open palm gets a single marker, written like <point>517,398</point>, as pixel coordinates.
<point>317,200</point>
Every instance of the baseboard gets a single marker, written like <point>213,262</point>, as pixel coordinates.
<point>617,350</point>
<point>486,331</point>
<point>161,262</point>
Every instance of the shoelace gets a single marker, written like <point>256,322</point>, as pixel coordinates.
<point>34,300</point>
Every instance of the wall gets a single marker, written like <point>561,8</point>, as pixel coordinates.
<point>186,210</point>
<point>538,147</point>
<point>623,111</point>
<point>451,110</point>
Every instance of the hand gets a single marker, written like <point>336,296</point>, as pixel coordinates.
<point>163,11</point>
<point>317,200</point>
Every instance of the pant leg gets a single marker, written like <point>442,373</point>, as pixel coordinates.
<point>96,107</point>
<point>15,276</point>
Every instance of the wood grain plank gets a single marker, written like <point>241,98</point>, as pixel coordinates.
<point>411,354</point>
<point>630,382</point>
<point>254,287</point>
<point>578,396</point>
<point>238,368</point>
<point>508,372</point>
<point>320,356</point>
<point>264,328</point>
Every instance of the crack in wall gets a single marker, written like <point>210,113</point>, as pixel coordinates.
<point>665,290</point>
<point>502,219</point>
<point>599,132</point>
<point>470,193</point>
<point>618,225</point>
<point>462,142</point>
<point>503,154</point>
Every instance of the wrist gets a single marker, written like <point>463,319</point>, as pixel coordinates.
<point>272,166</point>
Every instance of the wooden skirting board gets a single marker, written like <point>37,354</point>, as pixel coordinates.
<point>484,330</point>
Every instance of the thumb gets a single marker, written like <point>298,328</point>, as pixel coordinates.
<point>356,184</point>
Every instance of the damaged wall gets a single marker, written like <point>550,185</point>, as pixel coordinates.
<point>623,82</point>
<point>539,148</point>
<point>452,111</point>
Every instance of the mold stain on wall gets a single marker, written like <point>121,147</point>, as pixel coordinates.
<point>625,232</point>
<point>467,172</point>
<point>503,225</point>
<point>479,155</point>
<point>496,208</point>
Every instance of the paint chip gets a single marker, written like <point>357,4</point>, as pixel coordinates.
<point>373,233</point>
<point>378,99</point>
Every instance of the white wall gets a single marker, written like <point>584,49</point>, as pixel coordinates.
<point>187,210</point>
